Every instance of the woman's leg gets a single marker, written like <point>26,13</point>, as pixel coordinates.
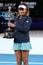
<point>18,57</point>
<point>25,56</point>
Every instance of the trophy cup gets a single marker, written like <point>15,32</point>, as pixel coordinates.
<point>9,33</point>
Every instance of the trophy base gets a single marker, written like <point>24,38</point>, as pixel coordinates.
<point>9,33</point>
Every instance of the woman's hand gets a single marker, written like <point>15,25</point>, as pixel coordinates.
<point>11,24</point>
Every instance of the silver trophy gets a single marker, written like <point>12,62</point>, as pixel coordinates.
<point>9,15</point>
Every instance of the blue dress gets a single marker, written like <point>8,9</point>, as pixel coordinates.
<point>22,46</point>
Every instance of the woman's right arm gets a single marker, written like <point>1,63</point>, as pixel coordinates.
<point>11,24</point>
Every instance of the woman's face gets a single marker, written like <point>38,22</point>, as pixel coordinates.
<point>22,11</point>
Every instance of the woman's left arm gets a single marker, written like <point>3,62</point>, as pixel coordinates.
<point>26,25</point>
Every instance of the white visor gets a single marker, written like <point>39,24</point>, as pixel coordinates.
<point>22,6</point>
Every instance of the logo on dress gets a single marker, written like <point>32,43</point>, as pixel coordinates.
<point>27,21</point>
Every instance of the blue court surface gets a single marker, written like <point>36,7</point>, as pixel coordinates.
<point>10,59</point>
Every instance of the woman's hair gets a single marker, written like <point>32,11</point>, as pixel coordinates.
<point>27,8</point>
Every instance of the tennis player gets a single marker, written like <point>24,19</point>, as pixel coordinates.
<point>22,24</point>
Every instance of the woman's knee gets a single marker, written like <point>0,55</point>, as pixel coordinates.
<point>19,61</point>
<point>25,59</point>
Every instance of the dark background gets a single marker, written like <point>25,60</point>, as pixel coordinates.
<point>36,12</point>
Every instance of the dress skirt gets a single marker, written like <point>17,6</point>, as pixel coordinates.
<point>22,46</point>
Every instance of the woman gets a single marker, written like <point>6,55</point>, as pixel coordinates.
<point>22,25</point>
